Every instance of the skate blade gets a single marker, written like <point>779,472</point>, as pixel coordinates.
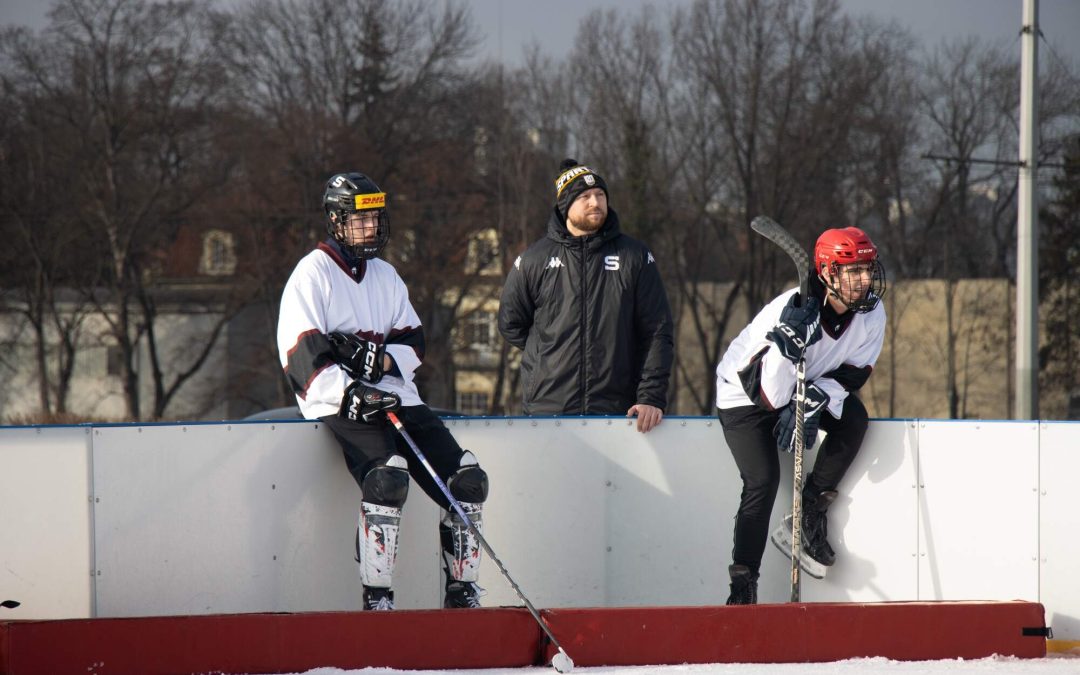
<point>781,539</point>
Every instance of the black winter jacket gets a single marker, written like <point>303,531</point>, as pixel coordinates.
<point>594,321</point>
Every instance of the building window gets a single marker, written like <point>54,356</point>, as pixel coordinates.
<point>473,402</point>
<point>483,253</point>
<point>218,254</point>
<point>479,331</point>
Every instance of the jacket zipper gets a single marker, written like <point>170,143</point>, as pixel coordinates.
<point>584,330</point>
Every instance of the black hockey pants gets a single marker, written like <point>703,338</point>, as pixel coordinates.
<point>364,444</point>
<point>749,434</point>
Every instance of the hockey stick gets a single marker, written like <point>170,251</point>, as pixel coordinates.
<point>561,661</point>
<point>771,230</point>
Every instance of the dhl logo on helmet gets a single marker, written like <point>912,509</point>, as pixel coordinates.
<point>375,200</point>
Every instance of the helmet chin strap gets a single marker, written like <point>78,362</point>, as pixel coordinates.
<point>858,305</point>
<point>831,291</point>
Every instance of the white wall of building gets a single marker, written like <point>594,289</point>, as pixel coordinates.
<point>96,388</point>
<point>129,520</point>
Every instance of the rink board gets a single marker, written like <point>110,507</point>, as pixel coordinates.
<point>509,637</point>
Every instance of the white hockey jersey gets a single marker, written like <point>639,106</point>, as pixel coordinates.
<point>839,362</point>
<point>324,295</point>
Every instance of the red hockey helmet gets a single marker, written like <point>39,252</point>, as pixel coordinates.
<point>842,246</point>
<point>838,247</point>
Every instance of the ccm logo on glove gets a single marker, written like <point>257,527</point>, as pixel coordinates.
<point>367,404</point>
<point>359,357</point>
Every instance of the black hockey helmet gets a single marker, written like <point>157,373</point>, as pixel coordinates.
<point>348,193</point>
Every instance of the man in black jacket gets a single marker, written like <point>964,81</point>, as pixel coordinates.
<point>587,306</point>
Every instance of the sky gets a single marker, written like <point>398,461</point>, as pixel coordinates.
<point>508,25</point>
<point>511,23</point>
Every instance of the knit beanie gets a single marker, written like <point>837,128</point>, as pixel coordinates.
<point>572,181</point>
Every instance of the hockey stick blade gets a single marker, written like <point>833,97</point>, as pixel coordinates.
<point>771,230</point>
<point>10,604</point>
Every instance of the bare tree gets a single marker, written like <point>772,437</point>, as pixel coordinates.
<point>779,96</point>
<point>358,86</point>
<point>1059,290</point>
<point>45,259</point>
<point>968,99</point>
<point>133,85</point>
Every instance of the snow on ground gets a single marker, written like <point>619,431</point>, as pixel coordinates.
<point>996,665</point>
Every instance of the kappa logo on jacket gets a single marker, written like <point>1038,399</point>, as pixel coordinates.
<point>555,262</point>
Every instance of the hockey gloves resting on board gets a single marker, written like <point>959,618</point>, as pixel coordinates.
<point>359,357</point>
<point>367,404</point>
<point>816,403</point>
<point>797,329</point>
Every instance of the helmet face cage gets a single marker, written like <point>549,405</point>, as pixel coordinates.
<point>845,277</point>
<point>844,259</point>
<point>351,193</point>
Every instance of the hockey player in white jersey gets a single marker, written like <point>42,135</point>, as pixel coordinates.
<point>840,329</point>
<point>350,341</point>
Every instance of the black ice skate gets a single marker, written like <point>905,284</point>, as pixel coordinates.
<point>462,595</point>
<point>815,554</point>
<point>378,599</point>
<point>743,586</point>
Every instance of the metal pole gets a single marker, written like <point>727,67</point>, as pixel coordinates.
<point>1027,226</point>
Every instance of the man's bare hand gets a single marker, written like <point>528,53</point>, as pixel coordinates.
<point>647,416</point>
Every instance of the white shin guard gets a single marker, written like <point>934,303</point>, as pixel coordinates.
<point>377,543</point>
<point>461,548</point>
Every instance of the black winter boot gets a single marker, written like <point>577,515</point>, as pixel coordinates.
<point>462,594</point>
<point>743,585</point>
<point>815,524</point>
<point>378,599</point>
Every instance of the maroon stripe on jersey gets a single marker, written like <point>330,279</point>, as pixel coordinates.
<point>340,262</point>
<point>306,359</point>
<point>413,336</point>
<point>750,377</point>
<point>850,377</point>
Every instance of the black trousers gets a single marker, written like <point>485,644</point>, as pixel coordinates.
<point>749,434</point>
<point>364,444</point>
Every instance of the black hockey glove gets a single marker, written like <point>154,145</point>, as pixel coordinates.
<point>367,404</point>
<point>816,403</point>
<point>797,329</point>
<point>359,357</point>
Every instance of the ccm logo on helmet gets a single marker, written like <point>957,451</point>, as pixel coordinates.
<point>865,250</point>
<point>371,201</point>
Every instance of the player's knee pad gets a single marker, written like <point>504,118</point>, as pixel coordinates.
<point>469,483</point>
<point>387,483</point>
<point>461,547</point>
<point>377,543</point>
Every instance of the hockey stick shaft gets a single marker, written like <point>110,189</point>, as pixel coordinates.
<point>771,230</point>
<point>797,482</point>
<point>479,536</point>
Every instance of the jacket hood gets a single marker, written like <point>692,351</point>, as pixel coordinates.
<point>556,230</point>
